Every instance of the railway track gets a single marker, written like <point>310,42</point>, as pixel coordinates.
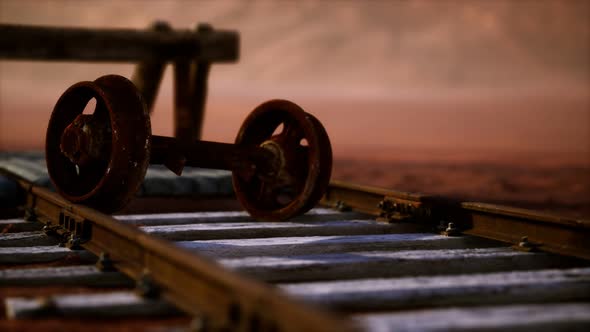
<point>332,269</point>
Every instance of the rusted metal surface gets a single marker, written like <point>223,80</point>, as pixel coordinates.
<point>304,156</point>
<point>18,42</point>
<point>99,159</point>
<point>190,94</point>
<point>175,155</point>
<point>543,232</point>
<point>191,86</point>
<point>275,177</point>
<point>184,123</point>
<point>148,74</point>
<point>199,84</point>
<point>195,285</point>
<point>86,139</point>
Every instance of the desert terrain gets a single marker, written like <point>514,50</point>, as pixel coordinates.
<point>549,187</point>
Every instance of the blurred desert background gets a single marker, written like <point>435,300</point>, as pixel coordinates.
<point>485,100</point>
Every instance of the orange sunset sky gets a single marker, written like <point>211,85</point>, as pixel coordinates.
<point>385,77</point>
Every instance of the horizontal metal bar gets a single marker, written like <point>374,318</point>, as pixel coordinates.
<point>176,153</point>
<point>19,42</point>
<point>194,284</point>
<point>542,231</point>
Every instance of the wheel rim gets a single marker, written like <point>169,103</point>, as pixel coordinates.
<point>304,169</point>
<point>103,168</point>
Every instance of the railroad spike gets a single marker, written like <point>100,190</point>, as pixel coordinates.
<point>100,159</point>
<point>146,287</point>
<point>105,263</point>
<point>30,214</point>
<point>451,230</point>
<point>73,242</point>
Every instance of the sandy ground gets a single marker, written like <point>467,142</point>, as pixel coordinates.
<point>557,183</point>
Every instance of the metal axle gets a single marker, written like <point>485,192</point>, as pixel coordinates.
<point>176,154</point>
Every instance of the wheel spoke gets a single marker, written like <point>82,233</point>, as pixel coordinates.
<point>266,194</point>
<point>302,154</point>
<point>291,134</point>
<point>299,164</point>
<point>91,173</point>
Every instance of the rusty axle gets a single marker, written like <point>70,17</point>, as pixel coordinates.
<point>175,155</point>
<point>86,140</point>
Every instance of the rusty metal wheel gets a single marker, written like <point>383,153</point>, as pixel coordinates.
<point>302,167</point>
<point>99,159</point>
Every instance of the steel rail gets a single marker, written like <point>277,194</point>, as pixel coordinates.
<point>19,42</point>
<point>526,229</point>
<point>196,285</point>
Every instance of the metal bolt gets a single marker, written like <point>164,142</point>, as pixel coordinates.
<point>234,314</point>
<point>524,242</point>
<point>63,240</point>
<point>386,206</point>
<point>50,230</point>
<point>342,206</point>
<point>403,208</point>
<point>525,245</point>
<point>104,262</point>
<point>198,324</point>
<point>73,242</point>
<point>30,214</point>
<point>451,230</point>
<point>46,305</point>
<point>146,287</point>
